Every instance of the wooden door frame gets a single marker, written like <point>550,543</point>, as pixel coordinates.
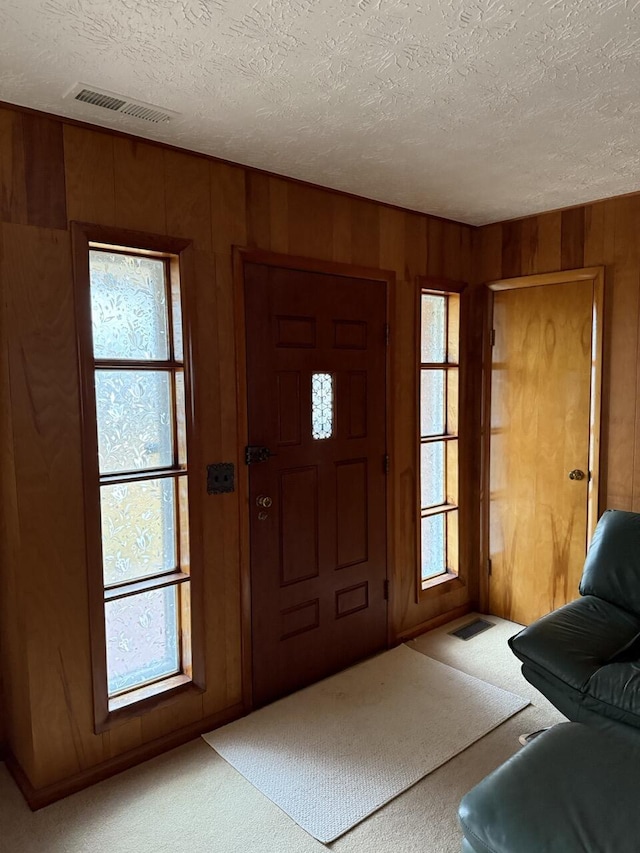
<point>594,276</point>
<point>241,257</point>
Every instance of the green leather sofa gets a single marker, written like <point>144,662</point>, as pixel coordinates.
<point>576,787</point>
<point>573,789</point>
<point>585,656</point>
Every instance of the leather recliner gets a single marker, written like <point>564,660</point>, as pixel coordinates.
<point>568,791</point>
<point>585,656</point>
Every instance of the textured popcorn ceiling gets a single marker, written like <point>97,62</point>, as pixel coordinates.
<point>476,110</point>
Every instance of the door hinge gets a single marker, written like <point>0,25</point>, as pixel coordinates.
<point>386,464</point>
<point>493,337</point>
<point>387,334</point>
<point>386,589</point>
<point>489,568</point>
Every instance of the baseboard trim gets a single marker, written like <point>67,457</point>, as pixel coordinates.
<point>436,622</point>
<point>38,798</point>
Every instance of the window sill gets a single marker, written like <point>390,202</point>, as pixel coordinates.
<point>448,582</point>
<point>146,699</point>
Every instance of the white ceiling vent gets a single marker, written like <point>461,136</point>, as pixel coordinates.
<point>119,104</point>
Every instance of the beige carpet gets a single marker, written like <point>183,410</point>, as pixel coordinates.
<point>191,801</point>
<point>332,754</point>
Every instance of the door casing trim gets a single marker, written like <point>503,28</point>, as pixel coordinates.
<point>592,276</point>
<point>241,256</point>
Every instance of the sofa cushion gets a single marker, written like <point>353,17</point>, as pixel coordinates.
<point>614,690</point>
<point>573,643</point>
<point>612,568</point>
<point>573,789</point>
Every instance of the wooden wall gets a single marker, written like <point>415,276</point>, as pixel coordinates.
<point>603,233</point>
<point>52,173</point>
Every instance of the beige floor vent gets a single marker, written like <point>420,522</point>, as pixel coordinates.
<point>120,104</point>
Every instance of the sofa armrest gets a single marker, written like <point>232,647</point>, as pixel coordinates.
<point>612,568</point>
<point>572,643</point>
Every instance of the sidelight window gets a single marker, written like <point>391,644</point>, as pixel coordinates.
<point>136,439</point>
<point>438,440</point>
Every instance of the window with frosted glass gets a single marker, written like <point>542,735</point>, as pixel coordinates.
<point>321,405</point>
<point>140,430</point>
<point>438,420</point>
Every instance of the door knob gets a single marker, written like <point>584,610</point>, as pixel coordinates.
<point>264,501</point>
<point>576,474</point>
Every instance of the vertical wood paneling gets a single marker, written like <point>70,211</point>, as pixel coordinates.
<point>341,207</point>
<point>228,207</point>
<point>594,234</point>
<point>453,260</point>
<point>511,249</point>
<point>15,708</point>
<point>487,254</point>
<point>365,233</point>
<point>392,236</point>
<point>208,396</point>
<point>54,171</point>
<point>229,510</point>
<point>258,211</point>
<point>435,248</point>
<point>46,424</point>
<point>572,238</point>
<point>13,187</point>
<point>188,198</point>
<point>529,246</point>
<point>279,215</point>
<point>222,534</point>
<point>139,186</point>
<point>310,222</point>
<point>90,176</point>
<point>604,233</point>
<point>466,256</point>
<point>622,297</point>
<point>44,171</point>
<point>549,236</point>
<point>415,247</point>
<point>401,549</point>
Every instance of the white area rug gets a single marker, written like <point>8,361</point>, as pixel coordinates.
<point>332,754</point>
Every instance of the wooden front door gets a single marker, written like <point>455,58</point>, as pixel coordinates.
<point>542,424</point>
<point>316,357</point>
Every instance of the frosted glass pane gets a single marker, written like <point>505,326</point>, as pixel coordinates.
<point>434,344</point>
<point>432,402</point>
<point>432,474</point>
<point>321,405</point>
<point>142,638</point>
<point>433,546</point>
<point>178,345</point>
<point>138,529</point>
<point>128,306</point>
<point>134,419</point>
<point>181,416</point>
